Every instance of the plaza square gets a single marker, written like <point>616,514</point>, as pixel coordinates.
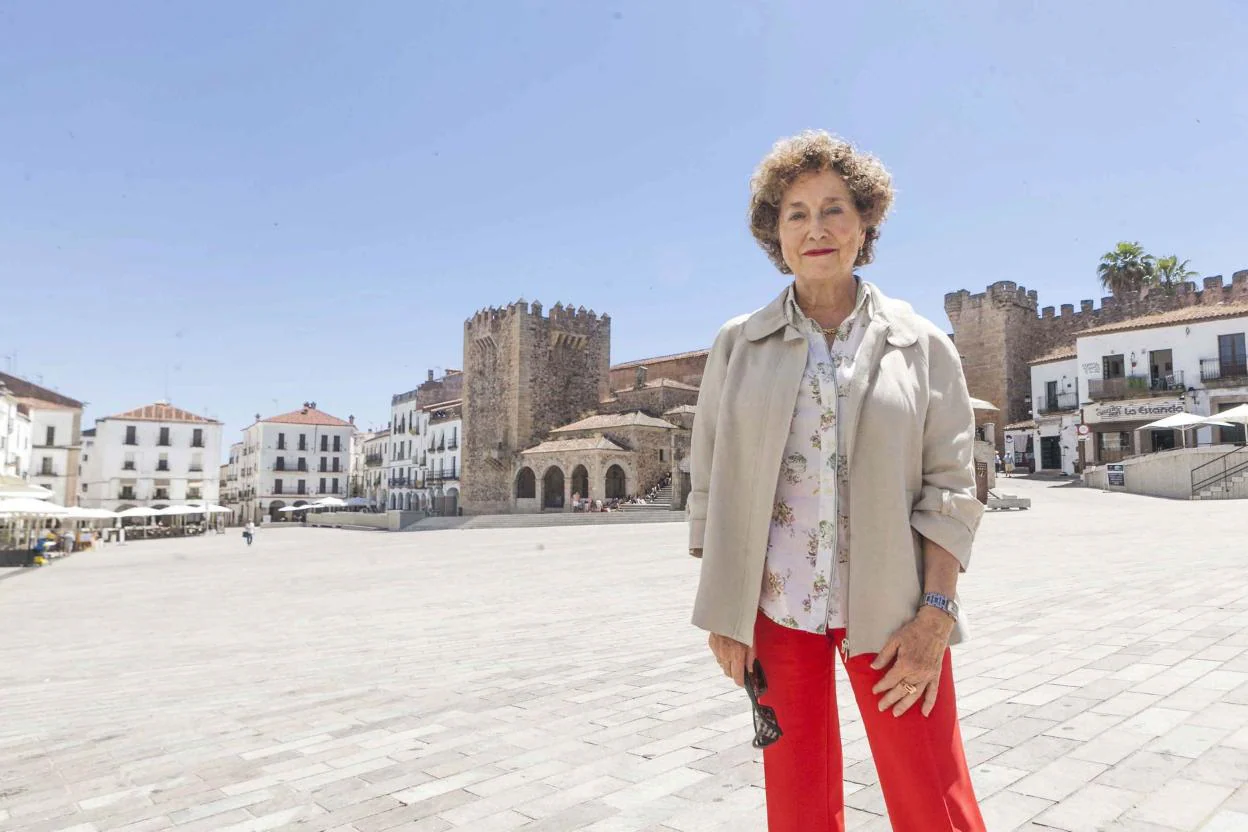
<point>548,679</point>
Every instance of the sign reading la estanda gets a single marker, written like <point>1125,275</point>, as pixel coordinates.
<point>1136,410</point>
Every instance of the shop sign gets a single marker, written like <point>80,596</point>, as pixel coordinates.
<point>1117,475</point>
<point>1137,410</point>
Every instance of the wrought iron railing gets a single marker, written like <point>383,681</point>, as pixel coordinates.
<point>1217,470</point>
<point>1215,369</point>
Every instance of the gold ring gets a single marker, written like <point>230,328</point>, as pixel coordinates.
<point>910,689</point>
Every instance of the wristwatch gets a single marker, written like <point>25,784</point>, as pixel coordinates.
<point>946,605</point>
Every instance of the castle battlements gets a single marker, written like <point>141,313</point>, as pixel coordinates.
<point>565,316</point>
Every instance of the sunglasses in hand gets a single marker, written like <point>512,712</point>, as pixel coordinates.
<point>766,726</point>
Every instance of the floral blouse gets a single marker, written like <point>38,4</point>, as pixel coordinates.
<point>808,545</point>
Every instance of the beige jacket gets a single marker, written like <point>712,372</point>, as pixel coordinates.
<point>910,436</point>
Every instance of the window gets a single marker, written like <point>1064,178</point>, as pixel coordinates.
<point>660,454</point>
<point>277,486</point>
<point>45,466</point>
<point>303,441</point>
<point>127,493</point>
<point>322,491</point>
<point>164,437</point>
<point>1050,396</point>
<point>325,442</point>
<point>337,444</point>
<point>281,441</point>
<point>51,436</point>
<point>324,463</point>
<point>279,464</point>
<point>303,464</point>
<point>1231,356</point>
<point>302,487</point>
<point>131,437</point>
<point>161,494</point>
<point>84,488</point>
<point>335,484</point>
<point>336,464</point>
<point>197,462</point>
<point>163,463</point>
<point>1113,366</point>
<point>197,438</point>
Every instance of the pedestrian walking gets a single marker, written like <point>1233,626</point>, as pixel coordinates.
<point>857,409</point>
<point>249,532</point>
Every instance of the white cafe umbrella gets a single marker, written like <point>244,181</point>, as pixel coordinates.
<point>12,488</point>
<point>178,511</point>
<point>215,509</point>
<point>28,506</point>
<point>138,511</point>
<point>80,513</point>
<point>292,509</point>
<point>1236,415</point>
<point>331,502</point>
<point>1178,421</point>
<point>980,404</point>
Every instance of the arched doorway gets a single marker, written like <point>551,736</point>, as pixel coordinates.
<point>275,511</point>
<point>452,501</point>
<point>580,481</point>
<point>407,501</point>
<point>552,487</point>
<point>526,484</point>
<point>616,484</point>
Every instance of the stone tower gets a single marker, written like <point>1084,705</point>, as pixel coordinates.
<point>524,374</point>
<point>993,334</point>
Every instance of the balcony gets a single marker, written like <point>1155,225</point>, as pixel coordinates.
<point>1128,387</point>
<point>196,468</point>
<point>452,445</point>
<point>126,494</point>
<point>441,476</point>
<point>1060,403</point>
<point>373,459</point>
<point>402,482</point>
<point>163,465</point>
<point>128,465</point>
<point>1219,373</point>
<point>197,443</point>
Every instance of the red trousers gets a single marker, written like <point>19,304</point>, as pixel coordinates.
<point>920,761</point>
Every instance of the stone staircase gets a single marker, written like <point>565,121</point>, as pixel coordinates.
<point>1234,487</point>
<point>662,501</point>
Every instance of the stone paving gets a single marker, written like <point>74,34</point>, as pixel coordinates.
<point>547,679</point>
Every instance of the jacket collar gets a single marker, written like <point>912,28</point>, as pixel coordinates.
<point>896,315</point>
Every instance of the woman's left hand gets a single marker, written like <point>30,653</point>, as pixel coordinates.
<point>916,653</point>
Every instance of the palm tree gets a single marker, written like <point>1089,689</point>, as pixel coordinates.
<point>1126,269</point>
<point>1170,273</point>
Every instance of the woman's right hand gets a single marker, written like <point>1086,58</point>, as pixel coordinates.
<point>734,657</point>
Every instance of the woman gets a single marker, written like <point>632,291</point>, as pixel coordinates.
<point>833,503</point>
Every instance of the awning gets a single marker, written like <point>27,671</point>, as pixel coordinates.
<point>1236,415</point>
<point>138,511</point>
<point>31,507</point>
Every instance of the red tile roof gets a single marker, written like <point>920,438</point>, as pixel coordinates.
<point>161,412</point>
<point>308,416</point>
<point>23,389</point>
<point>1062,353</point>
<point>660,358</point>
<point>1184,315</point>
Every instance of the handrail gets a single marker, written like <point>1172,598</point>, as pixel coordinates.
<point>1197,485</point>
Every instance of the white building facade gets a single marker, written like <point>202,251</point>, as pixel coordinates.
<point>1091,400</point>
<point>403,483</point>
<point>15,445</point>
<point>442,441</point>
<point>55,437</point>
<point>291,460</point>
<point>155,455</point>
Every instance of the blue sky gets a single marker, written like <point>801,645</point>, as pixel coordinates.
<point>250,205</point>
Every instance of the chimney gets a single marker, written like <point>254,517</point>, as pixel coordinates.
<point>641,378</point>
<point>431,375</point>
<point>312,405</point>
<point>351,419</point>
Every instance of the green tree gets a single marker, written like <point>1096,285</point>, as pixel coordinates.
<point>1126,269</point>
<point>1170,273</point>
